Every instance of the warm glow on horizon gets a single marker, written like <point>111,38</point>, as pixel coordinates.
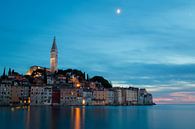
<point>177,98</point>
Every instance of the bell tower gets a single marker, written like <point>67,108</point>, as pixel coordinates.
<point>54,57</point>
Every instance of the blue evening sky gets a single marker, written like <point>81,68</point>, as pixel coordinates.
<point>150,43</point>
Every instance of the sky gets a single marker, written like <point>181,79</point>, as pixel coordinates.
<point>142,43</point>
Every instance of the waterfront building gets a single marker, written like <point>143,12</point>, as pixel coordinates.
<point>37,95</point>
<point>5,92</point>
<point>130,95</point>
<point>103,97</point>
<point>148,99</point>
<point>15,94</point>
<point>87,97</point>
<point>68,96</point>
<point>47,100</point>
<point>98,97</point>
<point>109,97</point>
<point>134,95</point>
<point>118,100</point>
<point>142,93</point>
<point>55,95</point>
<point>71,96</point>
<point>145,97</point>
<point>54,57</point>
<point>20,94</point>
<point>41,95</point>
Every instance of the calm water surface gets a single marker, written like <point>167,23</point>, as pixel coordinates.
<point>103,117</point>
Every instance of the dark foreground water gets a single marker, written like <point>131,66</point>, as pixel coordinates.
<point>103,117</point>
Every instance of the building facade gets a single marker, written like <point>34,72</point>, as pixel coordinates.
<point>130,96</point>
<point>103,97</point>
<point>20,94</point>
<point>41,95</point>
<point>118,100</point>
<point>36,95</point>
<point>71,96</point>
<point>55,95</point>
<point>87,97</point>
<point>5,92</point>
<point>47,100</point>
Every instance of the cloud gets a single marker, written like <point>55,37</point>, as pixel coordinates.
<point>163,100</point>
<point>177,98</point>
<point>172,86</point>
<point>180,60</point>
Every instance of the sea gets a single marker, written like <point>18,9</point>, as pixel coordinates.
<point>98,117</point>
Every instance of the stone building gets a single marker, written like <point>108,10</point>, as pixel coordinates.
<point>54,57</point>
<point>5,92</point>
<point>41,95</point>
<point>71,96</point>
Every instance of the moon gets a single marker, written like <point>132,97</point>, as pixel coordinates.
<point>118,11</point>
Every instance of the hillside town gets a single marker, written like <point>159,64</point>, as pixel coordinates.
<point>53,86</point>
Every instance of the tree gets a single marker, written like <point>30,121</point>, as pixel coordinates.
<point>3,75</point>
<point>75,72</point>
<point>87,77</point>
<point>45,75</point>
<point>13,71</point>
<point>29,78</point>
<point>105,83</point>
<point>84,76</point>
<point>9,72</point>
<point>4,72</point>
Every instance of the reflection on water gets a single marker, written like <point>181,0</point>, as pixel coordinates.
<point>77,121</point>
<point>152,117</point>
<point>54,117</point>
<point>27,123</point>
<point>78,114</point>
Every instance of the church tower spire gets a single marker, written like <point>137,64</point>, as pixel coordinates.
<point>54,57</point>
